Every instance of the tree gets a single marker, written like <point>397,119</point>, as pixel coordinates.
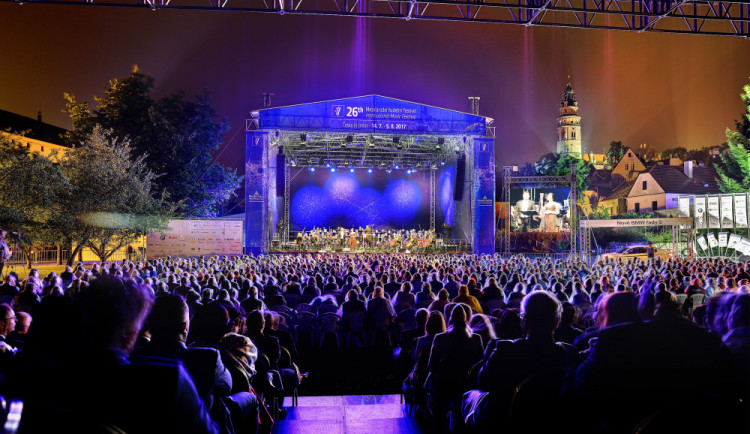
<point>175,136</point>
<point>679,152</point>
<point>30,186</point>
<point>734,177</point>
<point>110,202</point>
<point>615,152</point>
<point>559,165</point>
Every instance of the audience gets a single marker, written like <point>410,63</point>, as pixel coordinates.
<point>217,346</point>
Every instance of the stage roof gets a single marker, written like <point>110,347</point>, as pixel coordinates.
<point>372,114</point>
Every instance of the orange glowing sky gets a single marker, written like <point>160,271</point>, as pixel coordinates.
<point>664,90</point>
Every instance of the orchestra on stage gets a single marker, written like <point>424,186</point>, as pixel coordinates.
<point>332,239</point>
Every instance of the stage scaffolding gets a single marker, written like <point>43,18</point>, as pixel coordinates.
<point>700,17</point>
<point>352,134</point>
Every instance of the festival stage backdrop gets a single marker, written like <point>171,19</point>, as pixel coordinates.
<point>379,199</point>
<point>561,196</point>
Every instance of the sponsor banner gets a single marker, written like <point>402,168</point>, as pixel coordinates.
<point>683,206</point>
<point>744,247</point>
<point>623,223</point>
<point>187,238</point>
<point>740,211</point>
<point>699,206</point>
<point>712,207</point>
<point>734,241</point>
<point>702,242</point>
<point>484,196</point>
<point>727,216</point>
<point>256,190</point>
<point>712,241</point>
<point>723,238</point>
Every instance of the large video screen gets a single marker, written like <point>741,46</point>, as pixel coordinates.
<point>382,200</point>
<point>540,209</point>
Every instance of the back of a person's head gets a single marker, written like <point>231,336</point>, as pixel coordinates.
<point>109,313</point>
<point>167,316</point>
<point>568,314</point>
<point>420,317</point>
<point>255,322</point>
<point>435,323</point>
<point>617,308</point>
<point>209,324</point>
<point>443,294</point>
<point>458,318</point>
<point>463,290</point>
<point>739,313</point>
<point>540,312</point>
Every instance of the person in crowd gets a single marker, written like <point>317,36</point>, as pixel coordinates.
<point>17,337</point>
<point>441,302</point>
<point>452,356</point>
<point>403,299</point>
<point>467,299</point>
<point>567,331</point>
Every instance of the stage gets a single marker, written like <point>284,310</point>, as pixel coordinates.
<point>369,163</point>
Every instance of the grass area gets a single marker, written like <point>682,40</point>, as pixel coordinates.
<point>44,269</point>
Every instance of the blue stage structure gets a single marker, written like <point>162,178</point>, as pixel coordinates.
<point>358,141</point>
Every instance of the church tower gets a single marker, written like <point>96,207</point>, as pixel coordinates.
<point>569,124</point>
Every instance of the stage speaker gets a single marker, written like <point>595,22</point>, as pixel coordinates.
<point>280,168</point>
<point>458,188</point>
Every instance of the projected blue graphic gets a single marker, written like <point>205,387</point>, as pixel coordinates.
<point>377,199</point>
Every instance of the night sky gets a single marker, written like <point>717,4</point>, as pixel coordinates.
<point>664,90</point>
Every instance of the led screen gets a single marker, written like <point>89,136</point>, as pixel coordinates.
<point>539,209</point>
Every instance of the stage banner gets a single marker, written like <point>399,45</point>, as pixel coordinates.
<point>700,212</point>
<point>712,241</point>
<point>727,216</point>
<point>723,239</point>
<point>744,247</point>
<point>713,212</point>
<point>256,191</point>
<point>702,242</point>
<point>734,241</point>
<point>740,210</point>
<point>683,206</point>
<point>484,196</point>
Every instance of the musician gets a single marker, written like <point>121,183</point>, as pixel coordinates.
<point>369,240</point>
<point>550,212</point>
<point>525,208</point>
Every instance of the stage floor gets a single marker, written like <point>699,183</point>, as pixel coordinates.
<point>348,414</point>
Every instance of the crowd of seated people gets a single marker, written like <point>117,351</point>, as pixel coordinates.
<point>213,344</point>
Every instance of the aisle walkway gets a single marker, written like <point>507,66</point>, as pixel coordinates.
<point>346,414</point>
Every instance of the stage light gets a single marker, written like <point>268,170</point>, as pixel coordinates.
<point>369,170</point>
<point>303,137</point>
<point>408,172</point>
<point>396,167</point>
<point>328,164</point>
<point>442,163</point>
<point>414,170</point>
<point>351,170</point>
<point>389,170</point>
<point>312,169</point>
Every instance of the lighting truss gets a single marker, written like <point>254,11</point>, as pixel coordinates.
<point>728,18</point>
<point>376,151</point>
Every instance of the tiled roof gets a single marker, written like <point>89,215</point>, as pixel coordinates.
<point>672,179</point>
<point>621,191</point>
<point>31,128</point>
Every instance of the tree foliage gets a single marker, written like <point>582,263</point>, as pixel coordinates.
<point>734,176</point>
<point>559,165</point>
<point>29,188</point>
<point>679,152</point>
<point>176,137</point>
<point>110,201</point>
<point>615,152</point>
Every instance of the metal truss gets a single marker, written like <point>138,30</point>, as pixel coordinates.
<point>728,18</point>
<point>433,187</point>
<point>376,151</point>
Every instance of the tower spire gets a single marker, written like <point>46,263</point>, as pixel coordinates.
<point>569,124</point>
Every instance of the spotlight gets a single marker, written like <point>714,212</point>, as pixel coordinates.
<point>294,163</point>
<point>369,170</point>
<point>389,170</point>
<point>328,164</point>
<point>312,169</point>
<point>414,170</point>
<point>351,170</point>
<point>442,163</point>
<point>396,167</point>
<point>408,172</point>
<point>333,169</point>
